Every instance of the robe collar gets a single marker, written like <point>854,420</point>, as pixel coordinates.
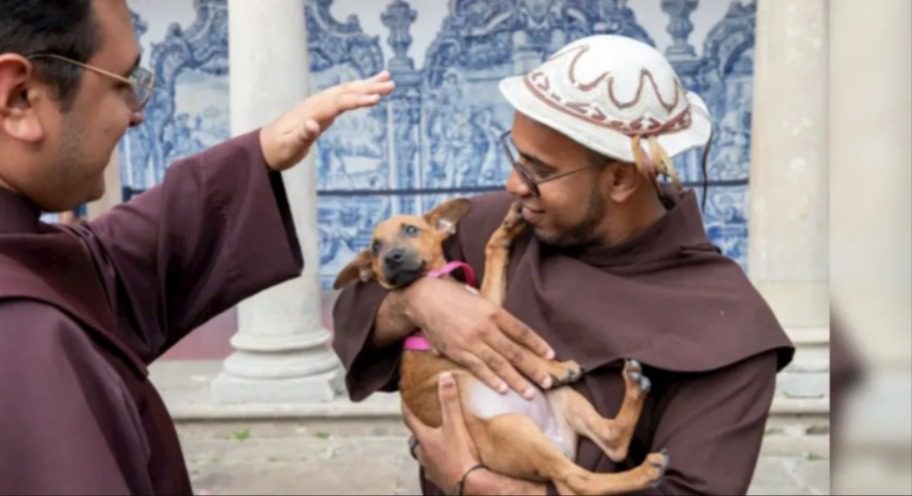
<point>18,215</point>
<point>678,231</point>
<point>51,264</point>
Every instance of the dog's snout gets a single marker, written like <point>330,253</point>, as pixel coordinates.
<point>394,258</point>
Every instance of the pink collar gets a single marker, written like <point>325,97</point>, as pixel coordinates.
<point>451,266</point>
<point>417,341</point>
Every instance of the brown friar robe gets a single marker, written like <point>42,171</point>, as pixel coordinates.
<point>84,308</point>
<point>707,340</point>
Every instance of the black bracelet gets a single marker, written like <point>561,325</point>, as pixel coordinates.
<point>460,487</point>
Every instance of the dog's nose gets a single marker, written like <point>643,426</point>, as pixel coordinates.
<point>394,258</point>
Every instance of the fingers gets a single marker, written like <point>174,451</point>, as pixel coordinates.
<point>448,392</point>
<point>351,101</point>
<point>379,83</point>
<point>312,126</point>
<point>381,76</point>
<point>482,372</point>
<point>364,92</point>
<point>527,363</point>
<point>523,335</point>
<point>310,131</point>
<point>491,362</point>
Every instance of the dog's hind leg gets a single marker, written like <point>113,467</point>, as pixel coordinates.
<point>611,435</point>
<point>513,445</point>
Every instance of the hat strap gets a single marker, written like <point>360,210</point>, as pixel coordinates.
<point>663,161</point>
<point>658,162</point>
<point>643,162</point>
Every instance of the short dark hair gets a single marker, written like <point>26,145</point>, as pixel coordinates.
<point>65,28</point>
<point>595,158</point>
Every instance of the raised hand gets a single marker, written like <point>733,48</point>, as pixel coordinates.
<point>287,139</point>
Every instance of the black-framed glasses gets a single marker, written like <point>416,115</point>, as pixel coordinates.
<point>529,179</point>
<point>141,80</point>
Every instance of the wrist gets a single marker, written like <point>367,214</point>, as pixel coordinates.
<point>462,486</point>
<point>407,299</point>
<point>479,482</point>
<point>266,147</point>
<point>485,481</point>
<point>396,317</point>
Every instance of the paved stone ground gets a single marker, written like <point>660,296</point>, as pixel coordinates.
<point>370,457</point>
<point>341,448</point>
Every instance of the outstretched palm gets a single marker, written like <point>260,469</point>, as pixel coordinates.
<point>286,140</point>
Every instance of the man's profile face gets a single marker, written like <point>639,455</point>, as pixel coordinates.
<point>67,166</point>
<point>569,209</point>
<point>100,114</point>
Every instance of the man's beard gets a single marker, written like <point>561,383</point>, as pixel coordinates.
<point>584,231</point>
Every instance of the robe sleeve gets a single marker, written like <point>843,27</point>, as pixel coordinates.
<point>713,426</point>
<point>217,230</point>
<point>68,424</point>
<point>367,368</point>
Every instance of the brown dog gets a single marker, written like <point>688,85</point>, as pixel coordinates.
<point>533,439</point>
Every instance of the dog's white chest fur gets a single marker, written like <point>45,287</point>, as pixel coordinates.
<point>486,403</point>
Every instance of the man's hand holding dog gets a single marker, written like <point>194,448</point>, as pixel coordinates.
<point>469,330</point>
<point>448,453</point>
<point>286,140</point>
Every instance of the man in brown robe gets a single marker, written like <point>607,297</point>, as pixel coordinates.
<point>85,307</point>
<point>614,266</point>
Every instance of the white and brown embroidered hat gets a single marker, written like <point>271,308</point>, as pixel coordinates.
<point>615,95</point>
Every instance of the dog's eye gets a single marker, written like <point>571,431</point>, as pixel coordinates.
<point>409,230</point>
<point>375,247</point>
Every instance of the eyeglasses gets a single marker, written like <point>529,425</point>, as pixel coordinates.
<point>527,177</point>
<point>141,80</point>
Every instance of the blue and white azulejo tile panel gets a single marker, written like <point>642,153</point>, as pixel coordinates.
<point>436,136</point>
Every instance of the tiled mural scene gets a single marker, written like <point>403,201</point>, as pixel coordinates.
<point>436,137</point>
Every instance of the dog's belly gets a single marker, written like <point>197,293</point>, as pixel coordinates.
<point>486,403</point>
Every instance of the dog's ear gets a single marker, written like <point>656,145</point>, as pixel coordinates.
<point>444,217</point>
<point>358,268</point>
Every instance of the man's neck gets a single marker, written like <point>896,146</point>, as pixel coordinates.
<point>632,219</point>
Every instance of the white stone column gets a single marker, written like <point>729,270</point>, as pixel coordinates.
<point>788,257</point>
<point>871,184</point>
<point>788,221</point>
<point>282,352</point>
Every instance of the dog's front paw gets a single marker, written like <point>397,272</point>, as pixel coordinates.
<point>513,223</point>
<point>514,219</point>
<point>511,227</point>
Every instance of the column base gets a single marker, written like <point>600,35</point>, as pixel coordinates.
<point>229,388</point>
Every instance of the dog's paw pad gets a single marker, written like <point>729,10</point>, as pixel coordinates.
<point>645,384</point>
<point>658,464</point>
